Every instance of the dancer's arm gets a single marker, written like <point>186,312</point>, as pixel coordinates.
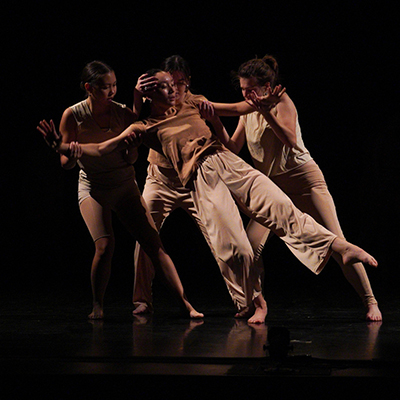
<point>68,136</point>
<point>132,136</point>
<point>145,84</point>
<point>284,122</point>
<point>245,107</point>
<point>234,143</point>
<point>232,109</point>
<point>131,153</point>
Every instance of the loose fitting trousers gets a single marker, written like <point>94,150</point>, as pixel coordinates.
<point>224,179</point>
<point>163,193</point>
<point>307,188</point>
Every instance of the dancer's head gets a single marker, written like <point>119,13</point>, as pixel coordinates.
<point>99,81</point>
<point>257,75</point>
<point>178,67</point>
<point>163,97</point>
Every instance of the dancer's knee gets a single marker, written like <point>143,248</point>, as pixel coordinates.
<point>104,246</point>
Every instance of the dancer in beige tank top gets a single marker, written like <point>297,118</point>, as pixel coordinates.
<point>108,184</point>
<point>272,132</point>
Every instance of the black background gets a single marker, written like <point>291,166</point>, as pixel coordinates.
<point>338,61</point>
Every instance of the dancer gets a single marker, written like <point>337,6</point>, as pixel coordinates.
<point>163,193</point>
<point>215,175</point>
<point>273,136</point>
<point>108,184</point>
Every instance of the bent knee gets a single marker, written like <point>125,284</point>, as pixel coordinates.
<point>104,245</point>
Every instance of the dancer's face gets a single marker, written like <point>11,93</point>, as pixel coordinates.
<point>104,89</point>
<point>181,86</point>
<point>249,85</point>
<point>164,95</point>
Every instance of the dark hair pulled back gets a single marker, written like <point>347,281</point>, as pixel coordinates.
<point>176,63</point>
<point>93,71</point>
<point>264,70</point>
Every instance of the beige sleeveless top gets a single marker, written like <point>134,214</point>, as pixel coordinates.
<point>110,170</point>
<point>268,153</point>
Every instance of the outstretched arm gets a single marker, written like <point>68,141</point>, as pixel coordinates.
<point>232,109</point>
<point>132,136</point>
<point>235,143</point>
<point>271,98</point>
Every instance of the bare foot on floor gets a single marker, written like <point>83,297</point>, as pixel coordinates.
<point>97,312</point>
<point>351,253</point>
<point>245,312</point>
<point>142,309</point>
<point>256,312</point>
<point>261,311</point>
<point>374,314</point>
<point>187,308</point>
<point>195,314</point>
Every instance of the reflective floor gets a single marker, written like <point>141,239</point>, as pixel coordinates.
<point>48,345</point>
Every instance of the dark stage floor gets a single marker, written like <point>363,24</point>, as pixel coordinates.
<point>48,347</point>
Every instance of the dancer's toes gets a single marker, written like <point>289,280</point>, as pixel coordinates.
<point>97,312</point>
<point>195,314</point>
<point>259,316</point>
<point>374,314</point>
<point>352,254</point>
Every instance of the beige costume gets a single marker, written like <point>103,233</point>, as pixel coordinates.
<point>215,179</point>
<point>297,174</point>
<point>108,183</point>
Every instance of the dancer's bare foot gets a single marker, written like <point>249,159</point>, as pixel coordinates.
<point>256,312</point>
<point>97,312</point>
<point>260,312</point>
<point>195,314</point>
<point>351,253</point>
<point>187,308</point>
<point>142,308</point>
<point>246,312</point>
<point>373,313</point>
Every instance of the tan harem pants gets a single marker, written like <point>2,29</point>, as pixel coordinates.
<point>223,182</point>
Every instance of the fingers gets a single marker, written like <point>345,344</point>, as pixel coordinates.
<point>254,99</point>
<point>147,84</point>
<point>134,139</point>
<point>44,127</point>
<point>49,133</point>
<point>75,150</point>
<point>206,109</point>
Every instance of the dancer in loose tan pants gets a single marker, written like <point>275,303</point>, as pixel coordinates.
<point>164,193</point>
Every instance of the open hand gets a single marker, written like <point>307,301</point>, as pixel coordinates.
<point>49,133</point>
<point>146,84</point>
<point>269,100</point>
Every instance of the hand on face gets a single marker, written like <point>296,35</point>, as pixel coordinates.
<point>146,84</point>
<point>267,101</point>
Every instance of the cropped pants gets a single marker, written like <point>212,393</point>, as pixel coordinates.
<point>307,188</point>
